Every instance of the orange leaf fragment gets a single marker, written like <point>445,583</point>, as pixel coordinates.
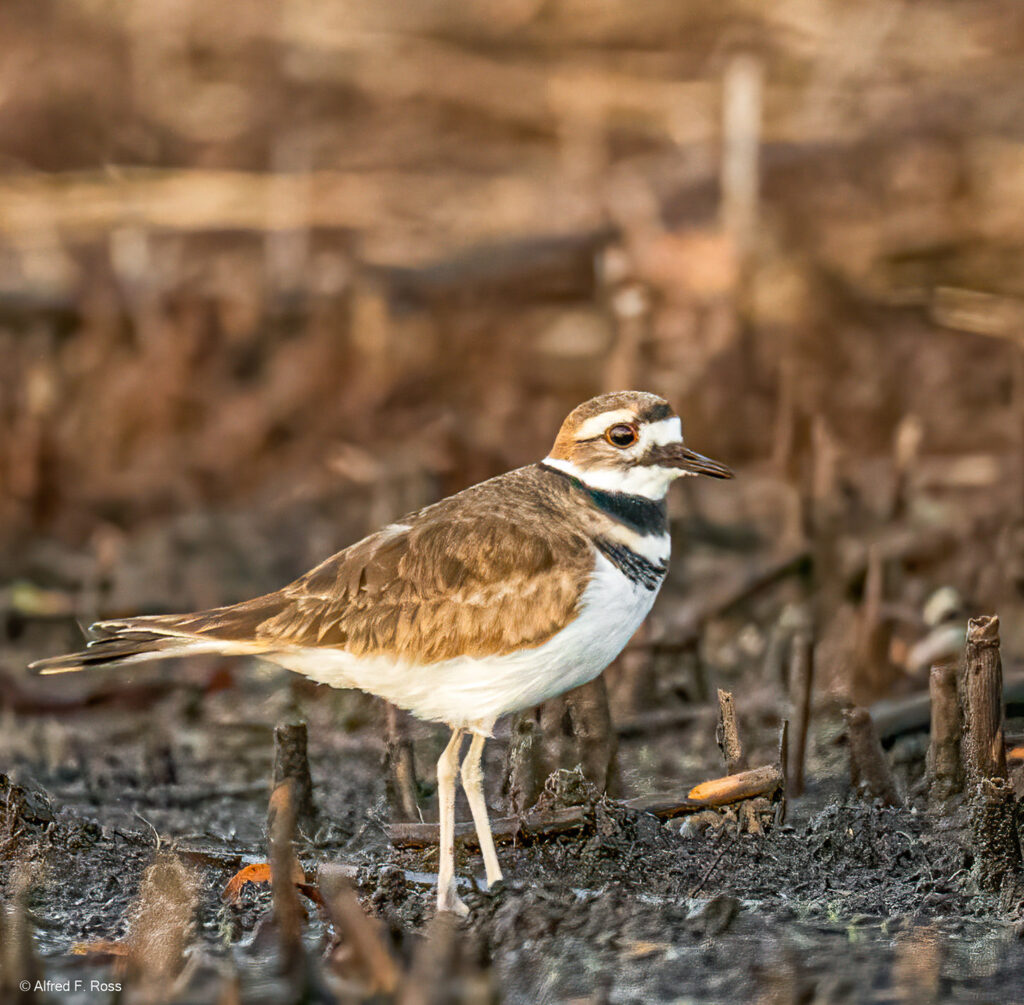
<point>258,872</point>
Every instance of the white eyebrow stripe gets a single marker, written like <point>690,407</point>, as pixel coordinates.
<point>658,434</point>
<point>597,424</point>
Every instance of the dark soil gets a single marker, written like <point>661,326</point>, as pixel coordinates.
<point>846,901</point>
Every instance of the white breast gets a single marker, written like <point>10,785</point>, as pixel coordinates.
<point>476,692</point>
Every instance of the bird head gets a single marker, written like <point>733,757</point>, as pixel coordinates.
<point>628,441</point>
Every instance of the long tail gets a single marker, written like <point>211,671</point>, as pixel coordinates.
<point>227,630</point>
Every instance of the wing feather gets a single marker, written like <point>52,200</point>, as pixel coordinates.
<point>491,570</point>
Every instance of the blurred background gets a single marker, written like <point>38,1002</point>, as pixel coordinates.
<point>272,274</point>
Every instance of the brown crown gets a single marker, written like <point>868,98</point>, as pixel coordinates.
<point>645,407</point>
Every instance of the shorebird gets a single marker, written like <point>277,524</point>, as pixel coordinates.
<point>488,602</point>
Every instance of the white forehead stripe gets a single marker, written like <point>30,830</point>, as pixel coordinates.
<point>597,424</point>
<point>662,432</point>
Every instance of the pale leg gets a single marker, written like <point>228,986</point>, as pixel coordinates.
<point>447,771</point>
<point>473,783</point>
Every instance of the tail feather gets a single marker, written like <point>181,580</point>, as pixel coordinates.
<point>162,636</point>
<point>133,647</point>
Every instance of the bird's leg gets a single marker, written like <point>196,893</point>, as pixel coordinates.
<point>473,783</point>
<point>447,770</point>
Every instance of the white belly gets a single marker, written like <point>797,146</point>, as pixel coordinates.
<point>475,692</point>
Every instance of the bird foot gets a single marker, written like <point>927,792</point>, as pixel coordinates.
<point>449,900</point>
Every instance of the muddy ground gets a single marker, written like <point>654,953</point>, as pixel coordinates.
<point>843,902</point>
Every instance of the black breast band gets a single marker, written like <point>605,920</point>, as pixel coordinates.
<point>634,567</point>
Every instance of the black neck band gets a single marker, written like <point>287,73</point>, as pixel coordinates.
<point>638,513</point>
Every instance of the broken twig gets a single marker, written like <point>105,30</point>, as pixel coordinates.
<point>984,754</point>
<point>399,766</point>
<point>727,734</point>
<point>801,686</point>
<point>162,926</point>
<point>868,766</point>
<point>291,762</point>
<point>287,909</point>
<point>361,935</point>
<point>783,764</point>
<point>763,781</point>
<point>945,772</point>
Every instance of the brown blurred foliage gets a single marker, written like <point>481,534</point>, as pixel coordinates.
<point>271,251</point>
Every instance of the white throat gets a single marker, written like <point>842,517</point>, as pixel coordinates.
<point>650,481</point>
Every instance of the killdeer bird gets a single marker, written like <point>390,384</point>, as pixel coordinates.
<point>487,602</point>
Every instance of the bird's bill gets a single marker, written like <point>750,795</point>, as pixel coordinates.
<point>676,455</point>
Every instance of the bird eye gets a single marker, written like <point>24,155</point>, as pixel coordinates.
<point>621,436</point>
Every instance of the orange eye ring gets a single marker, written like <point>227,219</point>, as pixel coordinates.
<point>621,435</point>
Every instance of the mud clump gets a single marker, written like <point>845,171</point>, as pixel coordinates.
<point>612,840</point>
<point>566,788</point>
<point>25,813</point>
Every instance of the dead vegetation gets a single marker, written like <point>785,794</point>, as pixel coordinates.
<point>269,281</point>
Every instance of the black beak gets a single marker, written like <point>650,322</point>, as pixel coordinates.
<point>675,455</point>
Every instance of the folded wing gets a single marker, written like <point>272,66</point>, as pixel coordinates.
<point>473,579</point>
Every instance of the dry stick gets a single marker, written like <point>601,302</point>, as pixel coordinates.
<point>287,910</point>
<point>522,782</point>
<point>897,716</point>
<point>945,771</point>
<point>775,666</point>
<point>868,766</point>
<point>632,680</point>
<point>439,974</point>
<point>682,629</point>
<point>763,781</point>
<point>901,544</point>
<point>742,99</point>
<point>727,734</point>
<point>783,763</point>
<point>574,728</point>
<point>400,766</point>
<point>291,763</point>
<point>593,743</point>
<point>993,803</point>
<point>906,449</point>
<point>362,934</point>
<point>660,720</point>
<point>982,694</point>
<point>870,678</point>
<point>162,926</point>
<point>801,681</point>
<point>1017,406</point>
<point>710,869</point>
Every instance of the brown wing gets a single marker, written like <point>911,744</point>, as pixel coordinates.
<point>489,571</point>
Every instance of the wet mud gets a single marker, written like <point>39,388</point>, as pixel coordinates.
<point>846,900</point>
